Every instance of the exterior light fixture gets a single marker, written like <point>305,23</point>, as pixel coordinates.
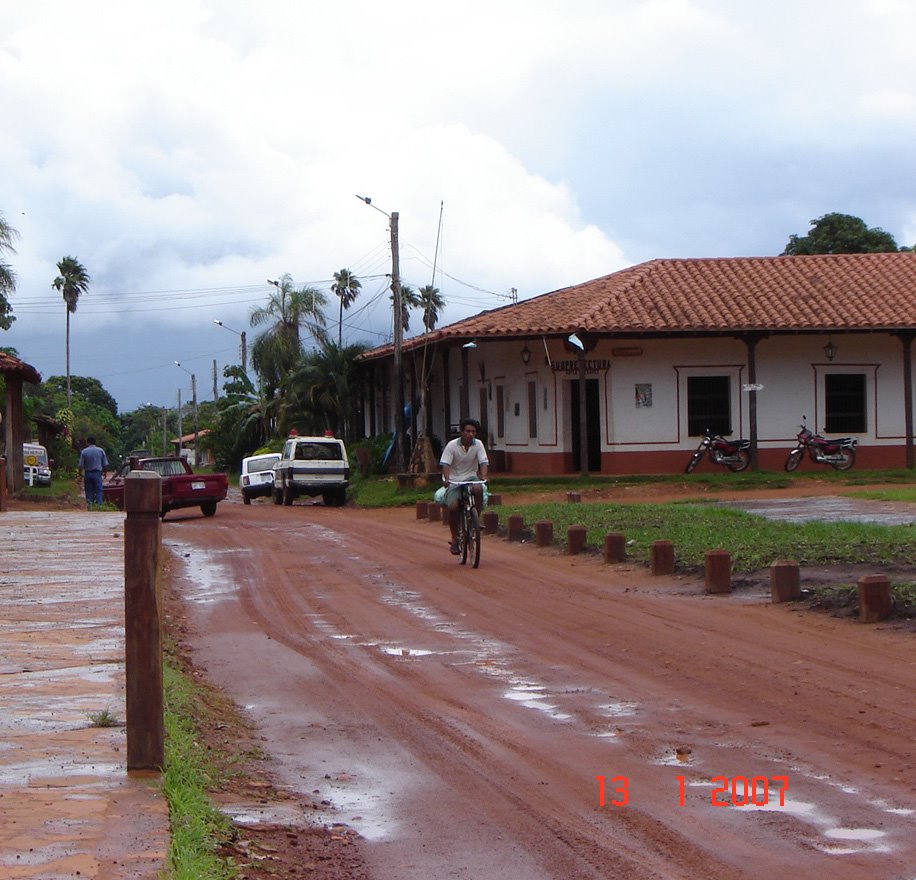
<point>471,344</point>
<point>573,339</point>
<point>526,355</point>
<point>829,349</point>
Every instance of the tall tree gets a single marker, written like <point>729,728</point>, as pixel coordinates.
<point>288,311</point>
<point>7,277</point>
<point>840,234</point>
<point>72,282</point>
<point>409,300</point>
<point>346,285</point>
<point>431,302</point>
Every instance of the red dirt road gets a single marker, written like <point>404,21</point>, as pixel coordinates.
<point>458,719</point>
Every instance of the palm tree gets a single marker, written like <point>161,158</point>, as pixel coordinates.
<point>7,277</point>
<point>409,300</point>
<point>430,300</point>
<point>72,281</point>
<point>288,310</point>
<point>346,285</point>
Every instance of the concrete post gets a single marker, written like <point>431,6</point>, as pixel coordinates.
<point>575,539</point>
<point>543,533</point>
<point>434,512</point>
<point>143,622</point>
<point>516,526</point>
<point>494,500</point>
<point>615,547</point>
<point>718,571</point>
<point>662,557</point>
<point>490,522</point>
<point>422,509</point>
<point>573,497</point>
<point>785,583</point>
<point>876,601</point>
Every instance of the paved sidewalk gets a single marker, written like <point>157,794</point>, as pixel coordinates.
<point>68,808</point>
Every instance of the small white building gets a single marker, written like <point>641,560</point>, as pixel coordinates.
<point>627,371</point>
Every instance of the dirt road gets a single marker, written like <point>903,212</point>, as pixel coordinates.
<point>461,720</point>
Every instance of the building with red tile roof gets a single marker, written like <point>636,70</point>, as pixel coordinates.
<point>15,372</point>
<point>747,345</point>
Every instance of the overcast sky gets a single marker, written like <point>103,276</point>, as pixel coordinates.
<point>185,151</point>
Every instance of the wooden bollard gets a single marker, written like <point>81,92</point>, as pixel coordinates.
<point>718,571</point>
<point>615,547</point>
<point>422,509</point>
<point>515,527</point>
<point>573,497</point>
<point>785,583</point>
<point>2,484</point>
<point>662,557</point>
<point>434,512</point>
<point>143,622</point>
<point>490,522</point>
<point>575,539</point>
<point>876,601</point>
<point>494,500</point>
<point>543,533</point>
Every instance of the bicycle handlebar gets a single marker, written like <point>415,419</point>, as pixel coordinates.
<point>465,482</point>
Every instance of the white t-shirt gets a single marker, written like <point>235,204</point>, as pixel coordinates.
<point>463,463</point>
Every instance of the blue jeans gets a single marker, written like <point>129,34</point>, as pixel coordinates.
<point>92,485</point>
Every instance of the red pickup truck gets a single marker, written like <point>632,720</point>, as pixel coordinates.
<point>181,487</point>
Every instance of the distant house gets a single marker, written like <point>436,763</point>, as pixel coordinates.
<point>624,373</point>
<point>187,445</point>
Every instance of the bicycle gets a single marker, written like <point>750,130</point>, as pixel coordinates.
<point>469,524</point>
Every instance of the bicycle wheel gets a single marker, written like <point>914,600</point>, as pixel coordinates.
<point>464,536</point>
<point>474,536</point>
<point>694,461</point>
<point>794,459</point>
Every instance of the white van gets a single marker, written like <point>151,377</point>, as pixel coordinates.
<point>36,465</point>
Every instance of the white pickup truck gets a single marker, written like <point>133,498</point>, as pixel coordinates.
<point>312,466</point>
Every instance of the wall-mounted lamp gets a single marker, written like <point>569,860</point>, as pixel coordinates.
<point>572,339</point>
<point>526,355</point>
<point>471,344</point>
<point>829,349</point>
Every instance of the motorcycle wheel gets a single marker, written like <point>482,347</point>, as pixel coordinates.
<point>849,459</point>
<point>794,460</point>
<point>694,461</point>
<point>741,464</point>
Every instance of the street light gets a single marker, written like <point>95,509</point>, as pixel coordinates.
<point>398,333</point>
<point>244,339</point>
<point>194,405</point>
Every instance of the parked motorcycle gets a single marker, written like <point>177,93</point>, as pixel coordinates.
<point>840,454</point>
<point>733,454</point>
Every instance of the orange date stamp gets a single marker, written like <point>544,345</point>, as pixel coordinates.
<point>735,791</point>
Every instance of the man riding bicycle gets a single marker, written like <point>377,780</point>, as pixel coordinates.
<point>463,459</point>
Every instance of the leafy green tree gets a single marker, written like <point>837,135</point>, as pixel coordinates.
<point>7,277</point>
<point>346,285</point>
<point>431,302</point>
<point>72,282</point>
<point>840,234</point>
<point>323,392</point>
<point>240,424</point>
<point>288,311</point>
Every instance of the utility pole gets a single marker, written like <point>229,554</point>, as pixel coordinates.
<point>398,345</point>
<point>194,399</point>
<point>215,388</point>
<point>179,423</point>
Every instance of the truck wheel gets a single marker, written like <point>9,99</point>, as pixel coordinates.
<point>287,495</point>
<point>277,497</point>
<point>341,499</point>
<point>246,499</point>
<point>208,508</point>
<point>327,498</point>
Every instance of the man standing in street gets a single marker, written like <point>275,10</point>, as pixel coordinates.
<point>463,459</point>
<point>93,466</point>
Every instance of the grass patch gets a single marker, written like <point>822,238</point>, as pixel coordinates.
<point>103,718</point>
<point>754,542</point>
<point>197,829</point>
<point>904,493</point>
